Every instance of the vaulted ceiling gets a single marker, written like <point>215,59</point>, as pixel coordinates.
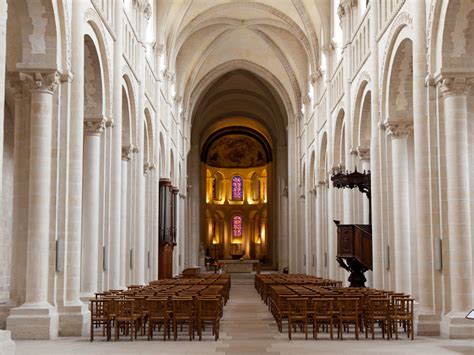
<point>277,42</point>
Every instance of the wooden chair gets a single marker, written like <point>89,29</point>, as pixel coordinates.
<point>125,316</point>
<point>183,312</point>
<point>378,312</point>
<point>208,311</point>
<point>348,313</point>
<point>157,309</point>
<point>403,314</point>
<point>100,316</point>
<point>323,314</point>
<point>297,314</point>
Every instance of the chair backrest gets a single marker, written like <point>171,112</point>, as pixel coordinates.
<point>124,307</point>
<point>157,307</point>
<point>183,306</point>
<point>348,306</point>
<point>99,308</point>
<point>208,306</point>
<point>403,307</point>
<point>297,307</point>
<point>379,306</point>
<point>323,306</point>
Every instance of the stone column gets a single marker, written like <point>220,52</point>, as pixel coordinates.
<point>428,324</point>
<point>458,243</point>
<point>320,233</point>
<point>90,205</point>
<point>399,132</point>
<point>126,156</point>
<point>364,156</point>
<point>73,314</point>
<point>115,241</point>
<point>3,43</point>
<point>36,318</point>
<point>375,163</point>
<point>6,345</point>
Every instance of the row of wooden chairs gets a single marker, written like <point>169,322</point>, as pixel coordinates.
<point>336,307</point>
<point>160,305</point>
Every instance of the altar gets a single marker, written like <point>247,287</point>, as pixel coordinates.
<point>238,266</point>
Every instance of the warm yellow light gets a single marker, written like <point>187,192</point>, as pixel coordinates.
<point>258,241</point>
<point>215,241</point>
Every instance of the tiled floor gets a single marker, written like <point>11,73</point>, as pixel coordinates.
<point>247,328</point>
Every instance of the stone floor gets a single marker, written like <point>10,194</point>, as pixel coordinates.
<point>247,328</point>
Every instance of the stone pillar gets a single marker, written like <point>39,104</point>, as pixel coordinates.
<point>375,163</point>
<point>21,157</point>
<point>364,156</point>
<point>457,246</point>
<point>3,43</point>
<point>90,205</point>
<point>124,266</point>
<point>36,318</point>
<point>115,241</point>
<point>320,233</point>
<point>7,346</point>
<point>399,132</point>
<point>73,314</point>
<point>427,323</point>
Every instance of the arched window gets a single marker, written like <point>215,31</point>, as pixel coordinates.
<point>237,190</point>
<point>237,226</point>
<point>214,188</point>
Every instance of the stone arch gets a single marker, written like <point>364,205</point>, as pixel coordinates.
<point>312,171</point>
<point>399,95</point>
<point>322,174</point>
<point>458,42</point>
<point>148,154</point>
<point>362,89</point>
<point>338,138</point>
<point>402,29</point>
<point>93,82</point>
<point>32,38</point>
<point>365,122</point>
<point>162,156</point>
<point>95,31</point>
<point>129,128</point>
<point>191,95</point>
<point>171,170</point>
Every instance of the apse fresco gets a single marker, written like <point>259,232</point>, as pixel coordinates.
<point>236,151</point>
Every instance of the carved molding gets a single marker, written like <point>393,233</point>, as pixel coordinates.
<point>127,152</point>
<point>363,153</point>
<point>94,127</point>
<point>455,86</point>
<point>46,82</point>
<point>398,129</point>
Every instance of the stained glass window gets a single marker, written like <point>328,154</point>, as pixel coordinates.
<point>214,189</point>
<point>237,226</point>
<point>237,191</point>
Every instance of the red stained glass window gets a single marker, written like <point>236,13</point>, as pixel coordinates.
<point>237,226</point>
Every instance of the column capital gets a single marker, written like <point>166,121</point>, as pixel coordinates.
<point>127,152</point>
<point>316,76</point>
<point>455,86</point>
<point>398,129</point>
<point>46,82</point>
<point>363,153</point>
<point>94,127</point>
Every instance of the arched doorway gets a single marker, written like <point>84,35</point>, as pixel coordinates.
<point>246,110</point>
<point>236,194</point>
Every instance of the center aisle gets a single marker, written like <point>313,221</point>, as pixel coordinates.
<point>247,325</point>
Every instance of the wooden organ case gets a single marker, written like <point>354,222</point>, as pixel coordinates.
<point>167,228</point>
